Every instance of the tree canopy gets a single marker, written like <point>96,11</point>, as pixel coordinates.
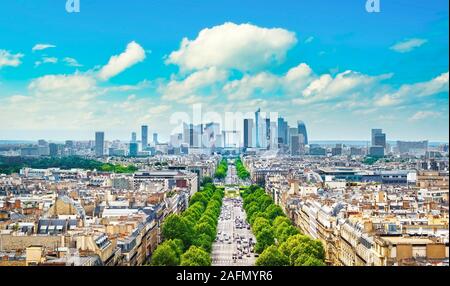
<point>195,256</point>
<point>277,239</point>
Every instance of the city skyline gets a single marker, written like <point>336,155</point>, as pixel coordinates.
<point>72,82</point>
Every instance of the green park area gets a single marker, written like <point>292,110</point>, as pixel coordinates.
<point>10,165</point>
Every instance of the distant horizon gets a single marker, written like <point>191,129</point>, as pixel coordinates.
<point>323,142</point>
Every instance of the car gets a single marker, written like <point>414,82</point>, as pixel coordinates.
<point>248,255</point>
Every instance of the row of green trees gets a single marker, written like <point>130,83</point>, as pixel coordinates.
<point>222,170</point>
<point>242,172</point>
<point>277,240</point>
<point>9,165</point>
<point>189,237</point>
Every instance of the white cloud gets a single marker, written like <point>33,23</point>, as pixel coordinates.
<point>133,54</point>
<point>193,84</point>
<point>40,47</point>
<point>230,46</point>
<point>408,45</point>
<point>295,80</point>
<point>309,40</point>
<point>8,59</point>
<point>249,85</point>
<point>73,102</point>
<point>46,60</point>
<point>407,91</point>
<point>300,72</point>
<point>347,84</point>
<point>67,84</point>
<point>318,85</point>
<point>72,62</point>
<point>422,115</point>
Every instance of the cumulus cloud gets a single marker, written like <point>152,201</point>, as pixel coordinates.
<point>249,85</point>
<point>193,84</point>
<point>72,102</point>
<point>133,54</point>
<point>66,84</point>
<point>408,45</point>
<point>243,47</point>
<point>8,59</point>
<point>40,47</point>
<point>346,84</point>
<point>289,84</point>
<point>422,89</point>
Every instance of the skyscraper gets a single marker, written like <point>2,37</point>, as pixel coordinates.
<point>375,132</point>
<point>133,152</point>
<point>99,143</point>
<point>378,147</point>
<point>133,137</point>
<point>155,138</point>
<point>53,149</point>
<point>273,135</point>
<point>144,134</point>
<point>292,132</point>
<point>268,136</point>
<point>248,133</point>
<point>257,117</point>
<point>295,145</point>
<point>282,131</point>
<point>302,130</point>
<point>380,140</point>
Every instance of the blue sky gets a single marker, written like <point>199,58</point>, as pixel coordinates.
<point>329,63</point>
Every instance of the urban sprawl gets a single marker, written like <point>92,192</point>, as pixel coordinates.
<point>264,195</point>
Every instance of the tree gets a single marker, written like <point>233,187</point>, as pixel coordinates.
<point>203,241</point>
<point>278,229</point>
<point>207,180</point>
<point>264,239</point>
<point>264,202</point>
<point>272,257</point>
<point>292,242</point>
<point>274,211</point>
<point>302,250</point>
<point>280,219</point>
<point>166,255</point>
<point>205,228</point>
<point>176,227</point>
<point>307,260</point>
<point>259,224</point>
<point>256,215</point>
<point>195,256</point>
<point>287,232</point>
<point>199,197</point>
